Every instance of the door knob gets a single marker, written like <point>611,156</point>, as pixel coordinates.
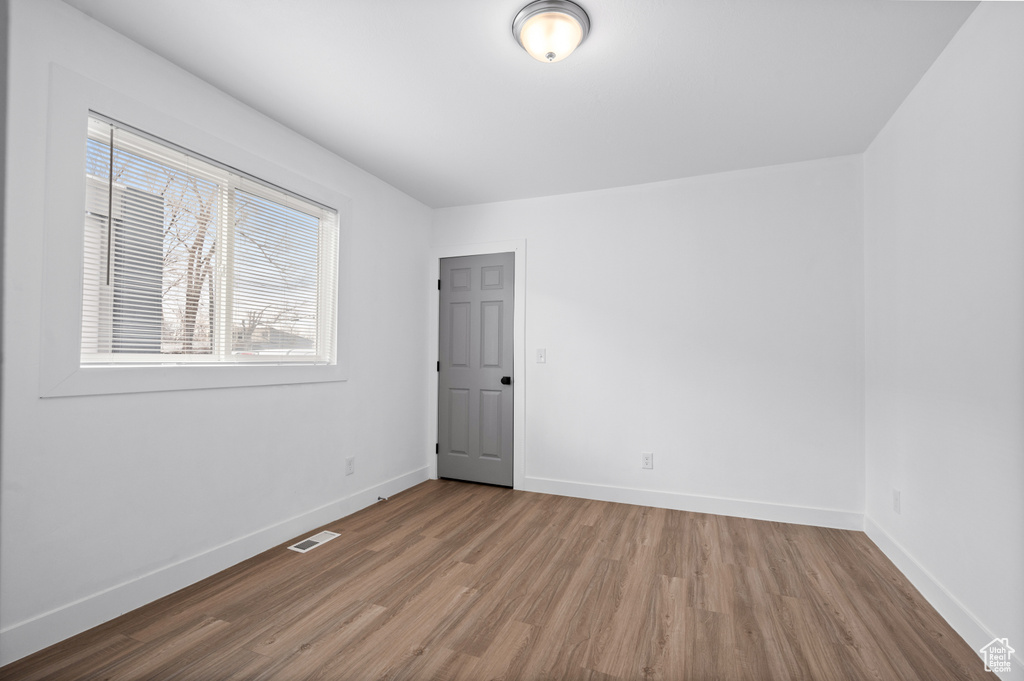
<point>506,380</point>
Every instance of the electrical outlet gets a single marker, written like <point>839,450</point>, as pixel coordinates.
<point>542,355</point>
<point>350,465</point>
<point>647,459</point>
<point>896,507</point>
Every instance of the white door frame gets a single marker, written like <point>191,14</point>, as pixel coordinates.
<point>517,246</point>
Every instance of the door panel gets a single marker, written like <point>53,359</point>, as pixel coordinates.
<point>490,334</point>
<point>458,421</point>
<point>490,424</point>
<point>474,406</point>
<point>458,355</point>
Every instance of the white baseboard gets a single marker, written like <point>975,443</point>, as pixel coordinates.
<point>945,603</point>
<point>800,515</point>
<point>29,636</point>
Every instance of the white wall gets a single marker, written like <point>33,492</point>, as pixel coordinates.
<point>944,255</point>
<point>715,321</point>
<point>105,505</point>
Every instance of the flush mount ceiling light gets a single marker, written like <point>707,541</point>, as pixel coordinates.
<point>551,29</point>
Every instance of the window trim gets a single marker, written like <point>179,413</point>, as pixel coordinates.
<point>72,97</point>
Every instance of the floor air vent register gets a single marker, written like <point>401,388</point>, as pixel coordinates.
<point>313,542</point>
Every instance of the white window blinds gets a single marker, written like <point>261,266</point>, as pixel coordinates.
<point>188,261</point>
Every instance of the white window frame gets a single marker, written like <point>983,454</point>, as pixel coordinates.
<point>230,182</point>
<point>60,370</point>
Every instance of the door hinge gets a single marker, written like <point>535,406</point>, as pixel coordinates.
<point>438,366</point>
<point>437,448</point>
<point>438,284</point>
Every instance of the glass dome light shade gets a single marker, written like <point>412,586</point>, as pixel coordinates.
<point>550,36</point>
<point>549,30</point>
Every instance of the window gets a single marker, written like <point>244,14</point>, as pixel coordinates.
<point>187,261</point>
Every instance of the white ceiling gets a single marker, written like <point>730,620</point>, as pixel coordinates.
<point>436,97</point>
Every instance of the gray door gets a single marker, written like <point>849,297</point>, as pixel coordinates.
<point>474,401</point>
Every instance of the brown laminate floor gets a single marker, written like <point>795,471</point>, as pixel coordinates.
<point>452,580</point>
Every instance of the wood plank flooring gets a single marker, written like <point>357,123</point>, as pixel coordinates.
<point>452,580</point>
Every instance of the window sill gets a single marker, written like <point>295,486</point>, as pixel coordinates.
<point>105,380</point>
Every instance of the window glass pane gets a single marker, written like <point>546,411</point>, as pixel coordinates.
<point>275,281</point>
<point>153,283</point>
